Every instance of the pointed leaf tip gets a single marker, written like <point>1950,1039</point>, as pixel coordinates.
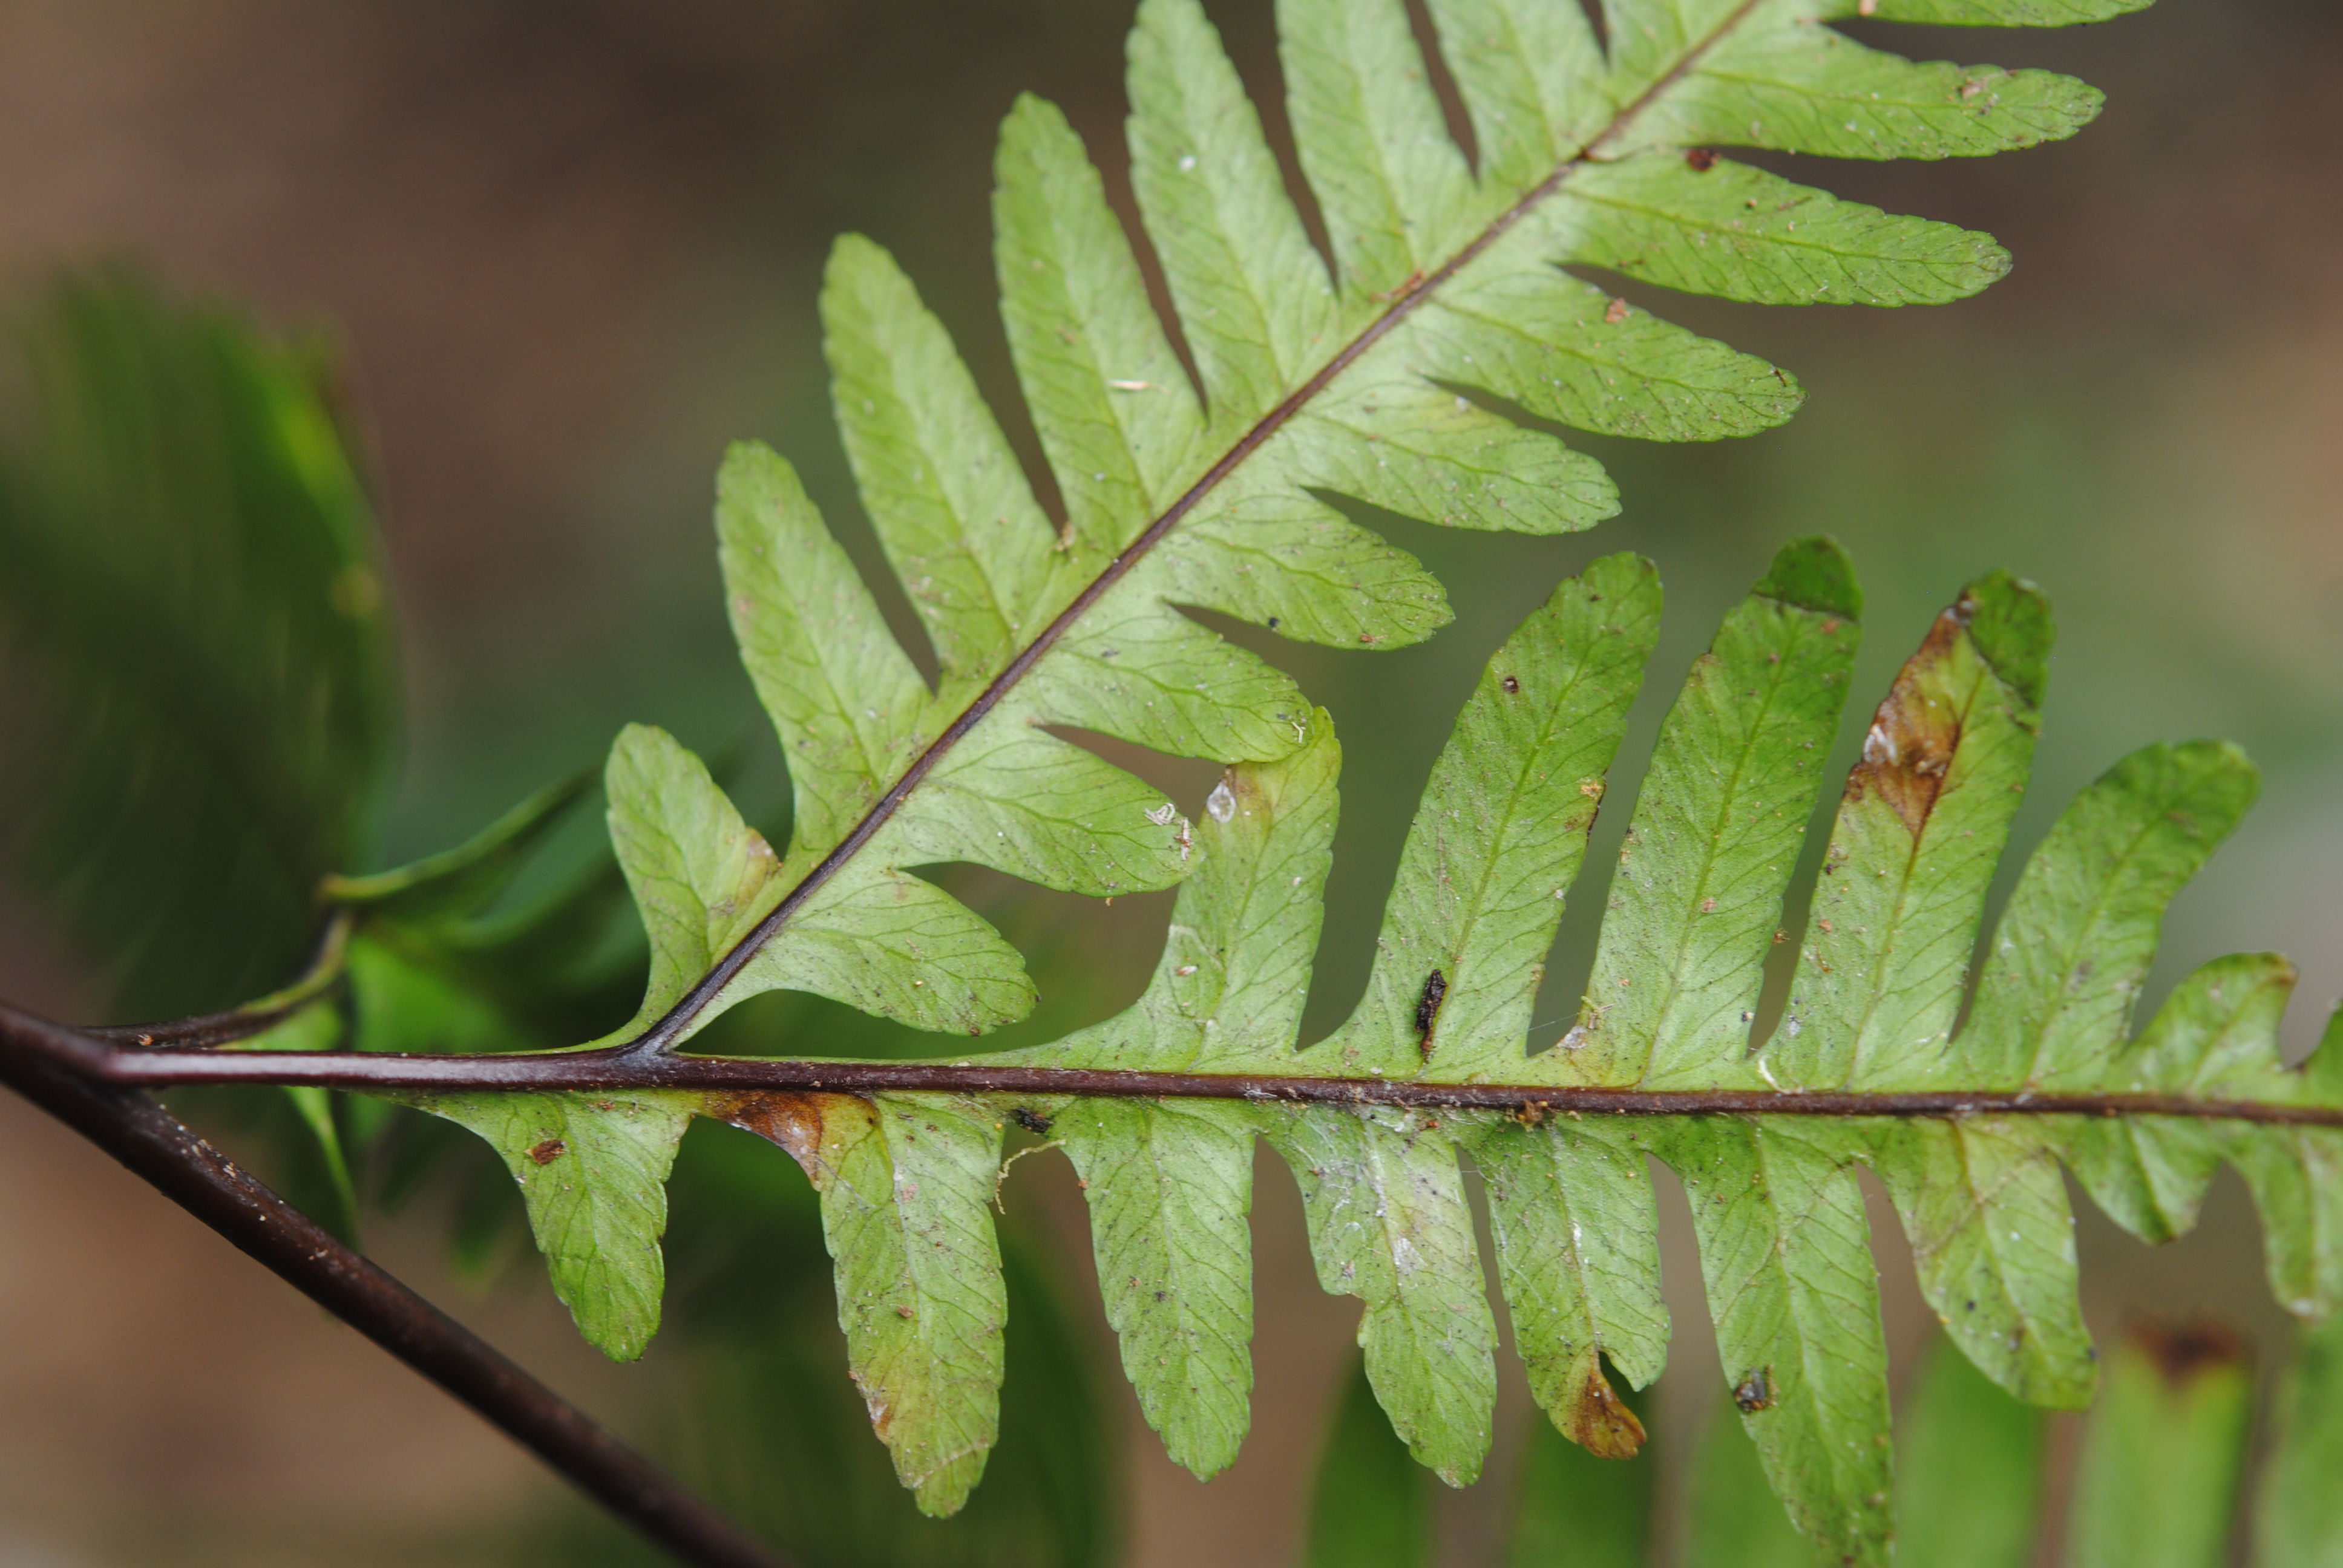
<point>1814,573</point>
<point>849,251</point>
<point>2009,620</point>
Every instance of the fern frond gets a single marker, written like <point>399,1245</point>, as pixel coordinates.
<point>1368,379</point>
<point>1968,1127</point>
<point>1376,377</point>
<point>1378,374</point>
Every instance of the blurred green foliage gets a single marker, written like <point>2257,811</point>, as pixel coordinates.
<point>200,684</point>
<point>1733,1520</point>
<point>1371,1506</point>
<point>2297,1521</point>
<point>2158,1478</point>
<point>1968,1481</point>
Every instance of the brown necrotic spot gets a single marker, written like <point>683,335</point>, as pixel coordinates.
<point>547,1153</point>
<point>1599,1422</point>
<point>1909,747</point>
<point>799,1122</point>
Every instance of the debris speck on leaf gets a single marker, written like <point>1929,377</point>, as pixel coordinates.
<point>1427,1008</point>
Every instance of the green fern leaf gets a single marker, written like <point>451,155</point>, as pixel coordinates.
<point>1567,1202</point>
<point>1352,379</point>
<point>1716,834</point>
<point>1739,233</point>
<point>593,1170</point>
<point>904,1180</point>
<point>1786,1256</point>
<point>1988,12</point>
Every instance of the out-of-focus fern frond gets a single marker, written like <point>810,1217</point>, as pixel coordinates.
<point>199,685</point>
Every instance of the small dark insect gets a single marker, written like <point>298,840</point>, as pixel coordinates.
<point>1701,159</point>
<point>1427,1008</point>
<point>1032,1121</point>
<point>1512,685</point>
<point>547,1153</point>
<point>1273,623</point>
<point>1755,1391</point>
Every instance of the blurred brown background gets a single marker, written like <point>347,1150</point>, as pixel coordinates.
<point>573,248</point>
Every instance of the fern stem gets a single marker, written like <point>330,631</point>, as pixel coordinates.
<point>627,1068</point>
<point>50,1067</point>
